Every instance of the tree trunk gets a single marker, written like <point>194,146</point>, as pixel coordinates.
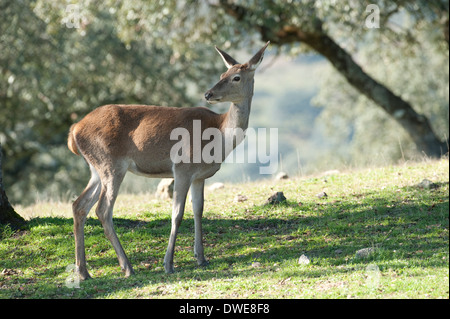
<point>417,126</point>
<point>7,213</point>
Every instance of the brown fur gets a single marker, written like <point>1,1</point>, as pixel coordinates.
<point>71,141</point>
<point>138,132</point>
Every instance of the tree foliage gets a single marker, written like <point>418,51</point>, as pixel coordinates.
<point>422,78</point>
<point>51,75</point>
<point>159,52</point>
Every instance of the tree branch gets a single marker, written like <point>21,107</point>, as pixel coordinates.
<point>417,126</point>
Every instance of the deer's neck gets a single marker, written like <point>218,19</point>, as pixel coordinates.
<point>236,123</point>
<point>238,114</point>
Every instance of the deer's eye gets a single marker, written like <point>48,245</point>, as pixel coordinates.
<point>236,78</point>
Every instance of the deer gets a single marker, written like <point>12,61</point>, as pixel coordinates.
<point>115,139</point>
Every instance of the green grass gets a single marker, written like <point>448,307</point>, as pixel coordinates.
<point>253,248</point>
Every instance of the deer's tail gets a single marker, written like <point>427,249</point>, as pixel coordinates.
<point>71,141</point>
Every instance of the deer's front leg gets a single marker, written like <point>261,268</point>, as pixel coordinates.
<point>197,189</point>
<point>180,189</point>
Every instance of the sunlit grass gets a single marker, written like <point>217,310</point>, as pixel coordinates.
<point>254,248</point>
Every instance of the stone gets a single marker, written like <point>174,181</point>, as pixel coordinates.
<point>426,184</point>
<point>216,186</point>
<point>281,175</point>
<point>240,198</point>
<point>303,260</point>
<point>322,195</point>
<point>365,252</point>
<point>165,188</point>
<point>276,198</point>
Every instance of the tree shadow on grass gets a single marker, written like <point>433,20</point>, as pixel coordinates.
<point>328,232</point>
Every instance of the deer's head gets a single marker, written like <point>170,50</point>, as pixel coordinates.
<point>236,84</point>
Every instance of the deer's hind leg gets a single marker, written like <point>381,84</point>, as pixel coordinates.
<point>80,209</point>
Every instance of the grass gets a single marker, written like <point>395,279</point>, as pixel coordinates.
<point>253,248</point>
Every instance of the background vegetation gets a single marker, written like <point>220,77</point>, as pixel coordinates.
<point>161,52</point>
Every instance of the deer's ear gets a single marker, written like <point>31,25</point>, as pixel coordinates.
<point>257,58</point>
<point>227,59</point>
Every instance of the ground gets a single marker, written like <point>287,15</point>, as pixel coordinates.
<point>378,233</point>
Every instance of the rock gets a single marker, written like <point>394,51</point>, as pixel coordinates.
<point>281,175</point>
<point>303,260</point>
<point>365,252</point>
<point>165,188</point>
<point>276,198</point>
<point>426,184</point>
<point>240,198</point>
<point>322,195</point>
<point>216,186</point>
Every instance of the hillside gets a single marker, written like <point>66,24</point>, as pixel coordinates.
<point>377,233</point>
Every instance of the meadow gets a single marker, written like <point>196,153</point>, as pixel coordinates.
<point>369,233</point>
